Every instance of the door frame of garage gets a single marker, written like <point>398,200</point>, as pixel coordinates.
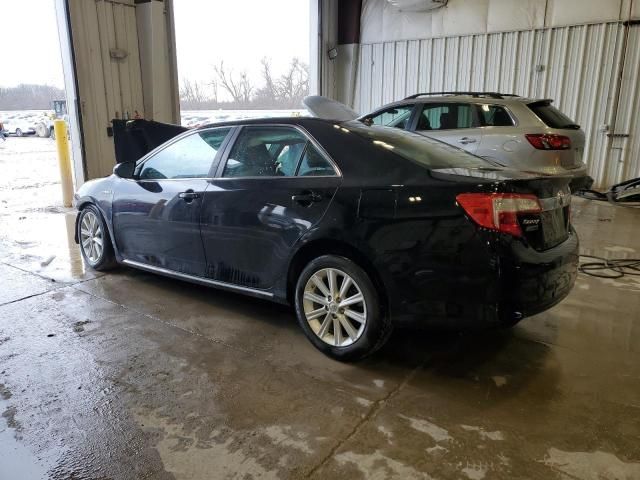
<point>71,91</point>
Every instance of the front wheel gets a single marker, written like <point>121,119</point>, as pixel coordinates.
<point>18,132</point>
<point>339,310</point>
<point>95,243</point>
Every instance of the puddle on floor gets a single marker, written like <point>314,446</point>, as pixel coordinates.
<point>16,460</point>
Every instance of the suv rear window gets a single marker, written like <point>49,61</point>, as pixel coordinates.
<point>551,116</point>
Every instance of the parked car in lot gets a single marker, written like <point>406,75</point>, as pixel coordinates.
<point>18,127</point>
<point>360,228</point>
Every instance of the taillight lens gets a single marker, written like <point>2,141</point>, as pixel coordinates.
<point>547,141</point>
<point>498,211</point>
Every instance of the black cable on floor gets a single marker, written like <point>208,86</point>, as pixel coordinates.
<point>609,267</point>
<point>626,194</point>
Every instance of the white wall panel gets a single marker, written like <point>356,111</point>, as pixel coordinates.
<point>381,22</point>
<point>627,148</point>
<point>577,66</point>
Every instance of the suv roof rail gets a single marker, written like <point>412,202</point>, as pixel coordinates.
<point>495,95</point>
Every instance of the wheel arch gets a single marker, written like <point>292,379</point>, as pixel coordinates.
<point>317,248</point>
<point>81,205</point>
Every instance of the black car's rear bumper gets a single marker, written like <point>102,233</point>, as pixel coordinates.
<point>501,284</point>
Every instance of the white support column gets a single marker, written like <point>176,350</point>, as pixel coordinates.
<point>71,90</point>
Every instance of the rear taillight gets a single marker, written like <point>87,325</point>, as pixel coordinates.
<point>498,211</point>
<point>547,141</point>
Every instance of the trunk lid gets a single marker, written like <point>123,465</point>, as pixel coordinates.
<point>542,230</point>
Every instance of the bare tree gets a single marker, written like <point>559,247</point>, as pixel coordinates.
<point>237,85</point>
<point>286,91</point>
<point>270,89</point>
<point>192,92</point>
<point>294,84</point>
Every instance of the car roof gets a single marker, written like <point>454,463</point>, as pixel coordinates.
<point>472,97</point>
<point>300,121</point>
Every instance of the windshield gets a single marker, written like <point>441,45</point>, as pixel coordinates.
<point>426,151</point>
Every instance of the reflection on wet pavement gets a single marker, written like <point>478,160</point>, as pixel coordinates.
<point>129,375</point>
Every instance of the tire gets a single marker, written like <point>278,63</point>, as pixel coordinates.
<point>95,243</point>
<point>52,133</point>
<point>41,130</point>
<point>18,132</point>
<point>320,318</point>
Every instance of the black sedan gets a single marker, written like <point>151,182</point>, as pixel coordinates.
<point>361,228</point>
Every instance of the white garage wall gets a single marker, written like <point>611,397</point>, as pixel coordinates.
<point>108,87</point>
<point>577,66</point>
<point>382,22</point>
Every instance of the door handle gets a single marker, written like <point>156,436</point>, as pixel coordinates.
<point>189,196</point>
<point>306,198</point>
<point>466,140</point>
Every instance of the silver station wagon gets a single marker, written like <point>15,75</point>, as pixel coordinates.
<point>521,133</point>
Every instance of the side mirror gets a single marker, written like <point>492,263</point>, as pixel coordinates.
<point>125,169</point>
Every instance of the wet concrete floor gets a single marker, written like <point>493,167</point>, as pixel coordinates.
<point>131,376</point>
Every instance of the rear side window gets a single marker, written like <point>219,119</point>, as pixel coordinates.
<point>314,164</point>
<point>494,116</point>
<point>551,116</point>
<point>393,117</point>
<point>445,116</point>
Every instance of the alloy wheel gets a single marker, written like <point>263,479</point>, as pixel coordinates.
<point>91,237</point>
<point>334,307</point>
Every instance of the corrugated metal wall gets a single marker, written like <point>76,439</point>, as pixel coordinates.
<point>577,66</point>
<point>98,71</point>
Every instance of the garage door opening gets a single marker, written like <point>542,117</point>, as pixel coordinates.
<point>37,230</point>
<point>233,64</point>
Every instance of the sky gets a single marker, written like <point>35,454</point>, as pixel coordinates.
<point>30,46</point>
<point>240,32</point>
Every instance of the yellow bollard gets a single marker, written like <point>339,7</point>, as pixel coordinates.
<point>64,161</point>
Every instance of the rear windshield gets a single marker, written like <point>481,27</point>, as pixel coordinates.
<point>551,116</point>
<point>419,148</point>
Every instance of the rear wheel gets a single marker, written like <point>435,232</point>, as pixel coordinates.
<point>95,243</point>
<point>18,132</point>
<point>338,309</point>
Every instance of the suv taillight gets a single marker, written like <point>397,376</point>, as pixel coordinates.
<point>498,211</point>
<point>548,141</point>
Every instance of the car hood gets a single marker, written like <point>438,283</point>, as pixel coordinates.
<point>327,109</point>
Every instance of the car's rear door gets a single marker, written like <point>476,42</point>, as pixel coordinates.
<point>274,184</point>
<point>156,215</point>
<point>452,123</point>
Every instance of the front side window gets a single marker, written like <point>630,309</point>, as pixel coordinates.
<point>494,116</point>
<point>265,152</point>
<point>393,117</point>
<point>445,116</point>
<point>189,157</point>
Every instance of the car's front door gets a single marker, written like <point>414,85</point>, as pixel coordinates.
<point>452,123</point>
<point>274,186</point>
<point>156,215</point>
